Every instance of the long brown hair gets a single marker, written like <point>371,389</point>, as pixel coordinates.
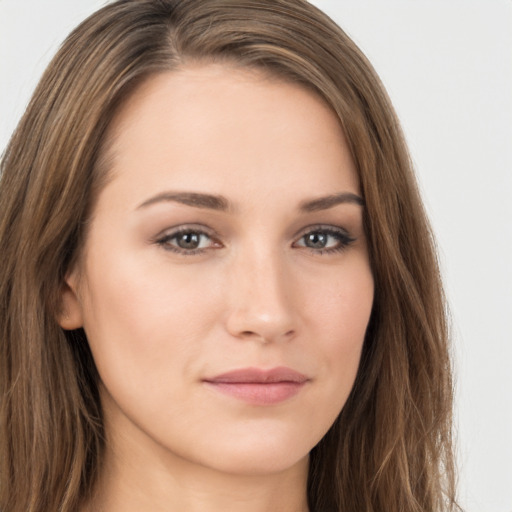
<point>390,448</point>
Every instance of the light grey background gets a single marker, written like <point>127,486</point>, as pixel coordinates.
<point>447,65</point>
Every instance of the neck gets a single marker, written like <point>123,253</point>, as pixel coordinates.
<point>132,489</point>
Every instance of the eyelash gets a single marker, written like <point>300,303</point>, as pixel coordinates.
<point>344,240</point>
<point>165,240</point>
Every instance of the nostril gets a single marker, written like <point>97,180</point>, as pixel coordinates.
<point>267,338</point>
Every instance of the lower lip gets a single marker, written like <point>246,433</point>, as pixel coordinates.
<point>257,393</point>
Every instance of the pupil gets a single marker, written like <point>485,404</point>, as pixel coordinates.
<point>189,241</point>
<point>316,240</point>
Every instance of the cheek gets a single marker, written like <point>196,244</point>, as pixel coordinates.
<point>339,314</point>
<point>142,320</point>
<point>340,301</point>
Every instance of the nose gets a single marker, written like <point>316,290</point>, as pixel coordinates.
<point>261,299</point>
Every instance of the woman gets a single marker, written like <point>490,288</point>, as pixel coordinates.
<point>219,289</point>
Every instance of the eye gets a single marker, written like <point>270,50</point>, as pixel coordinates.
<point>323,239</point>
<point>187,241</point>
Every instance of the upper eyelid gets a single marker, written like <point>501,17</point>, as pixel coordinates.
<point>321,227</point>
<point>201,228</point>
<point>207,230</point>
<point>183,228</point>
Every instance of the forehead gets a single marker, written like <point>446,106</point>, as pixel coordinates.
<point>219,127</point>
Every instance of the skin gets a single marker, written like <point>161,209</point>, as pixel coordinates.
<point>260,291</point>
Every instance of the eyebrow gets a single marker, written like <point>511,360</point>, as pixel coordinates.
<point>324,203</point>
<point>220,203</point>
<point>209,201</point>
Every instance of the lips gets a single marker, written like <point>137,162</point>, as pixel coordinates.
<point>257,386</point>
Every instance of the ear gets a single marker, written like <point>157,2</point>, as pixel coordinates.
<point>70,314</point>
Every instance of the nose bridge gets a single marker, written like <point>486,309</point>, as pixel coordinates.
<point>260,293</point>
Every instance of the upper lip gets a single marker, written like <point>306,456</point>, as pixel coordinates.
<point>259,376</point>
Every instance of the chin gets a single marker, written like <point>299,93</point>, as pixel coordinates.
<point>259,451</point>
<point>251,463</point>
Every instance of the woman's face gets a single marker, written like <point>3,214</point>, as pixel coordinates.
<point>224,287</point>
